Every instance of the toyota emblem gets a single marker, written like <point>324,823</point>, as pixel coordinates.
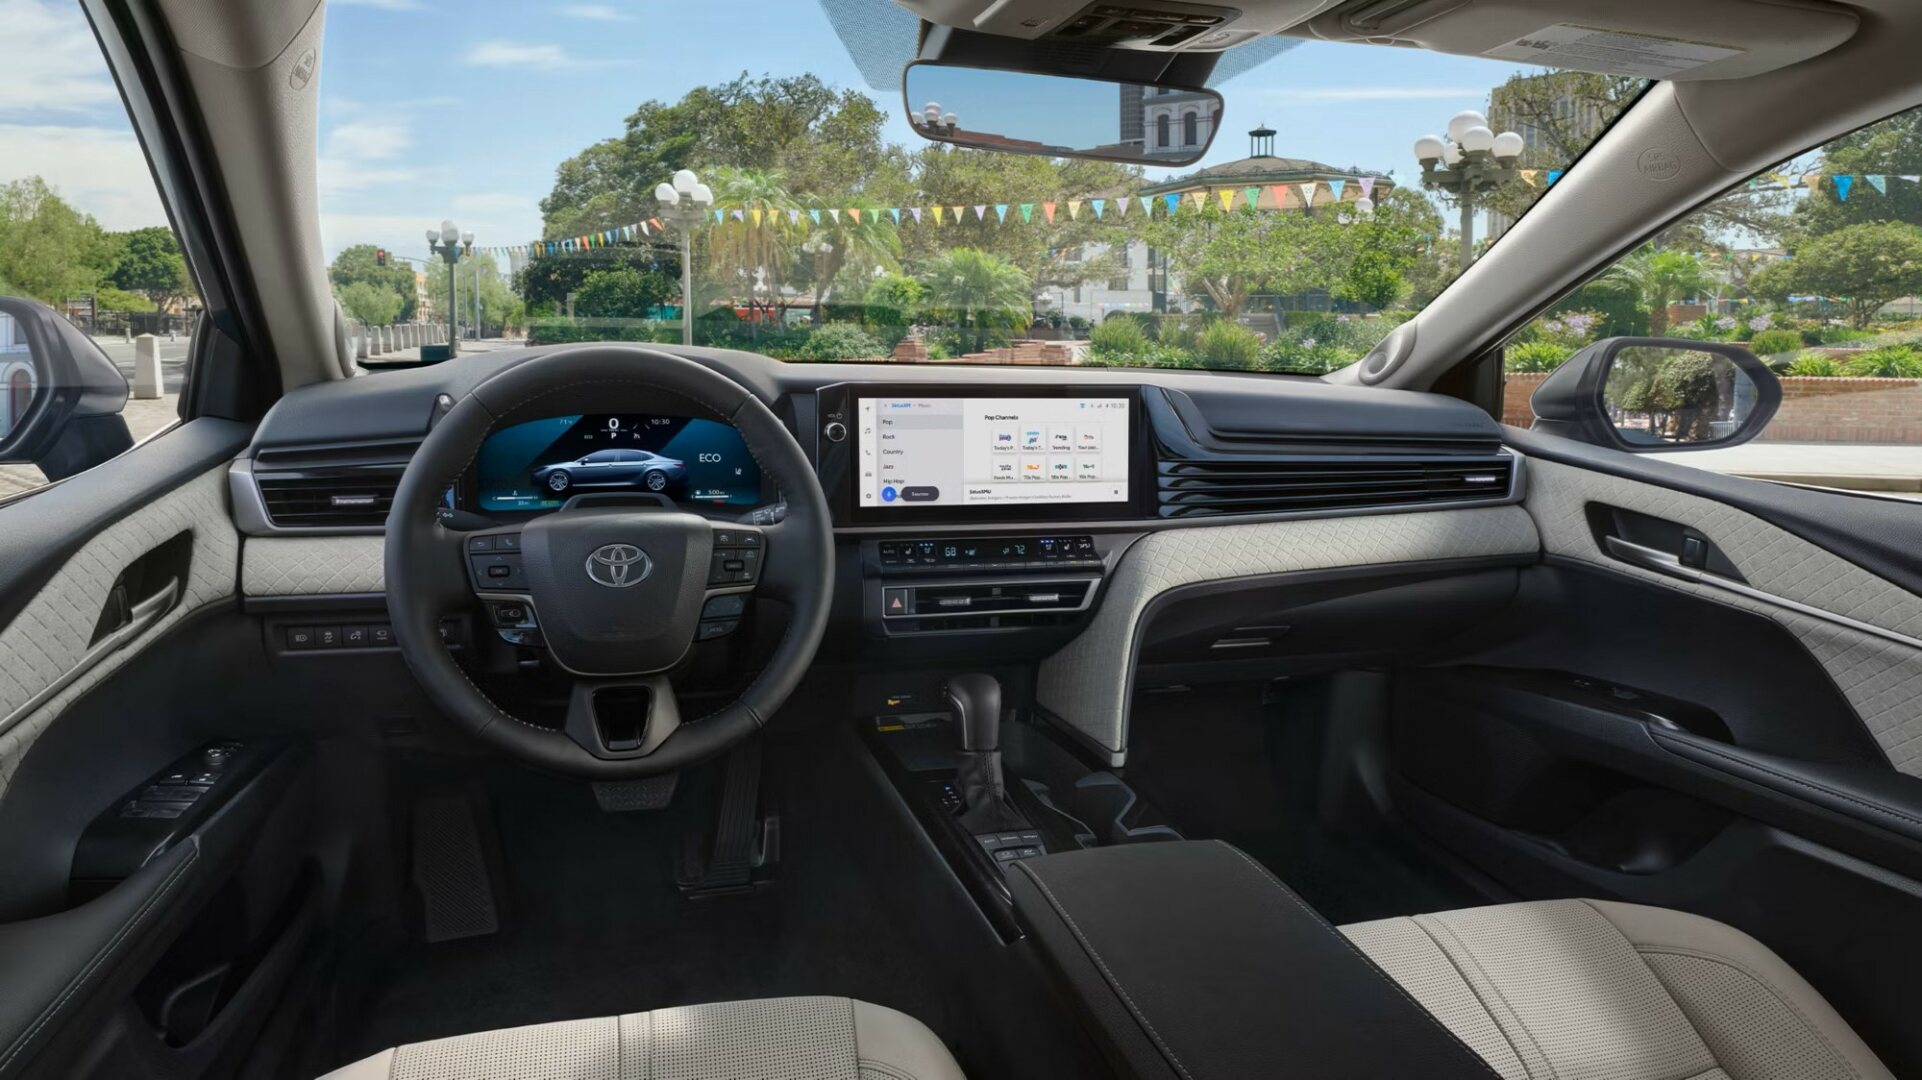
<point>618,566</point>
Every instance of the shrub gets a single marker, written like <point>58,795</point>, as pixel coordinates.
<point>840,341</point>
<point>1536,356</point>
<point>1224,344</point>
<point>1118,337</point>
<point>1769,343</point>
<point>1894,362</point>
<point>1807,366</point>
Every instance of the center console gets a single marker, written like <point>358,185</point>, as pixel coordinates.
<point>966,499</point>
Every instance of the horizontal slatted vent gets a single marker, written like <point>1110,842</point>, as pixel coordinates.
<point>340,498</point>
<point>1195,488</point>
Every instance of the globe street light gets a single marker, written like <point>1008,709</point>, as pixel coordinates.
<point>1472,161</point>
<point>935,122</point>
<point>685,202</point>
<point>450,244</point>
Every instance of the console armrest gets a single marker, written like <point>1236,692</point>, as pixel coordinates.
<point>1194,962</point>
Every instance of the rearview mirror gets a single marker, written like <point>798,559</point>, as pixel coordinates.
<point>1655,394</point>
<point>1023,112</point>
<point>60,395</point>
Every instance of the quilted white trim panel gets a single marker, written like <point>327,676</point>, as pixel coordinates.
<point>1882,679</point>
<point>1087,682</point>
<point>50,634</point>
<point>312,565</point>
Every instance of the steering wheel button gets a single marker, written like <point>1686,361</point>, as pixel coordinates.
<point>480,543</point>
<point>507,542</point>
<point>711,630</point>
<point>724,607</point>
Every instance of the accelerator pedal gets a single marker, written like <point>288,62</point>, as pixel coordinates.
<point>743,840</point>
<point>450,869</point>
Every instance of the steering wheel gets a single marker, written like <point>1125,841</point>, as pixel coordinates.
<point>616,591</point>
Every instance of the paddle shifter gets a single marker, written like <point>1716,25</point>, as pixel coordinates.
<point>976,701</point>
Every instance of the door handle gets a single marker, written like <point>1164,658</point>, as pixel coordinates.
<point>1648,558</point>
<point>140,618</point>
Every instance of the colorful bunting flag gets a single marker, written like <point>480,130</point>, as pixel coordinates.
<point>1336,186</point>
<point>1001,211</point>
<point>855,213</point>
<point>1097,204</point>
<point>1048,209</point>
<point>937,215</point>
<point>814,216</point>
<point>1879,182</point>
<point>1367,187</point>
<point>1253,195</point>
<point>1173,201</point>
<point>1121,205</point>
<point>1027,212</point>
<point>835,213</point>
<point>1842,186</point>
<point>1074,209</point>
<point>980,211</point>
<point>916,211</point>
<point>1227,197</point>
<point>1554,175</point>
<point>896,212</point>
<point>1307,193</point>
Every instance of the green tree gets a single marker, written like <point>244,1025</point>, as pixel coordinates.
<point>369,304</point>
<point>981,292</point>
<point>1865,265</point>
<point>852,236</point>
<point>895,300</point>
<point>151,264</point>
<point>818,138</point>
<point>499,307</point>
<point>1373,257</point>
<point>546,280</point>
<point>1882,149</point>
<point>621,292</point>
<point>1658,278</point>
<point>48,250</point>
<point>357,264</point>
<point>108,298</point>
<point>1231,255</point>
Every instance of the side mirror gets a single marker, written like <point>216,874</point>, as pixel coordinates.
<point>60,395</point>
<point>1658,394</point>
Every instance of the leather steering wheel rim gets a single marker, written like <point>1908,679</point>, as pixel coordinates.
<point>426,576</point>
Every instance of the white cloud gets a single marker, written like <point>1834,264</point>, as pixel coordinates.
<point>596,13</point>
<point>53,64</point>
<point>100,171</point>
<point>1372,93</point>
<point>369,140</point>
<point>517,54</point>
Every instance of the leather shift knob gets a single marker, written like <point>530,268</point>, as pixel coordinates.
<point>976,701</point>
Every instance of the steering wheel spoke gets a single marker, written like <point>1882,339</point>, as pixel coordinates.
<point>621,719</point>
<point>783,576</point>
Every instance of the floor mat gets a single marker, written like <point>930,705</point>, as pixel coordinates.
<point>594,925</point>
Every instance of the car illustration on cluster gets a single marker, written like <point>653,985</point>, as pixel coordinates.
<point>612,468</point>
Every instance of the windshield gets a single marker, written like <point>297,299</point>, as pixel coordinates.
<point>834,232</point>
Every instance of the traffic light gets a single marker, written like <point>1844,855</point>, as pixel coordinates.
<point>380,256</point>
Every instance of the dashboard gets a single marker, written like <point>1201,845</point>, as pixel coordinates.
<point>539,465</point>
<point>991,451</point>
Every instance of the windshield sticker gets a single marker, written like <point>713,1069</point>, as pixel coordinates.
<point>1615,52</point>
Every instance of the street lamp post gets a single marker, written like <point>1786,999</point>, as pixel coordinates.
<point>937,123</point>
<point>450,243</point>
<point>685,202</point>
<point>1472,161</point>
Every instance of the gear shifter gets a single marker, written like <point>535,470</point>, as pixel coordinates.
<point>976,701</point>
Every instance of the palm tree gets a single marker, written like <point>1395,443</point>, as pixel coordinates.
<point>1658,278</point>
<point>757,246</point>
<point>980,289</point>
<point>847,234</point>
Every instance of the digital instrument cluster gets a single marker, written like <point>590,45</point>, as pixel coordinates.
<point>541,464</point>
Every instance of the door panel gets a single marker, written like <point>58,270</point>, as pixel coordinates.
<point>51,643</point>
<point>1879,673</point>
<point>1710,699</point>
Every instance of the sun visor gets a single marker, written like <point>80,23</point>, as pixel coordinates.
<point>1648,39</point>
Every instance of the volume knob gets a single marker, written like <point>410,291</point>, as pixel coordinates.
<point>835,431</point>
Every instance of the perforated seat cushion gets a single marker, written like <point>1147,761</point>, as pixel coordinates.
<point>1593,990</point>
<point>803,1038</point>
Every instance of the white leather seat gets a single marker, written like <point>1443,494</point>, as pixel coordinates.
<point>1589,988</point>
<point>802,1038</point>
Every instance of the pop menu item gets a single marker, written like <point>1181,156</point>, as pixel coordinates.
<point>975,451</point>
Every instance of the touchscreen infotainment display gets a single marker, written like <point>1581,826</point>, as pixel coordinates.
<point>962,451</point>
<point>542,464</point>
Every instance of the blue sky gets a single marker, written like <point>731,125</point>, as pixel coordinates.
<point>462,108</point>
<point>405,143</point>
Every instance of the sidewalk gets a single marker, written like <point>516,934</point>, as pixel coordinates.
<point>1855,467</point>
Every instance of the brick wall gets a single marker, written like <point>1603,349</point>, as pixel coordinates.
<point>1840,410</point>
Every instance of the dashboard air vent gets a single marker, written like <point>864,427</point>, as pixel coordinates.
<point>1199,488</point>
<point>330,498</point>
